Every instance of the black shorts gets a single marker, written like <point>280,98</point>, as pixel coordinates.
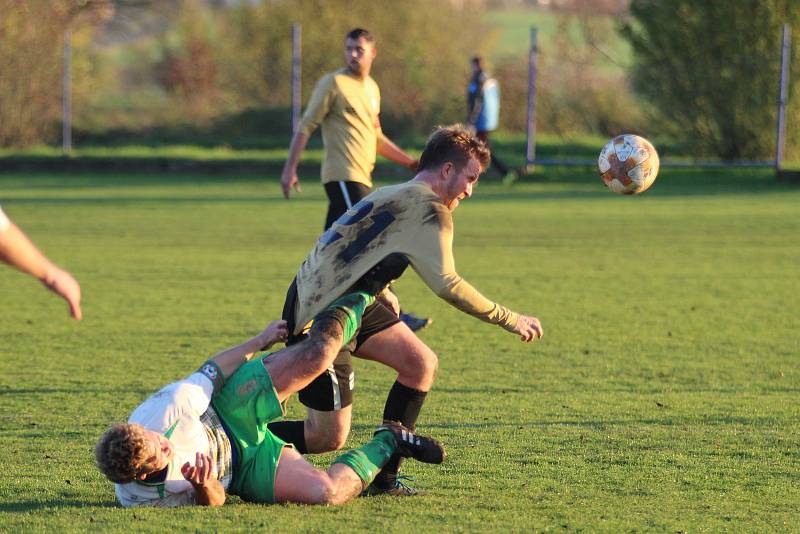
<point>341,197</point>
<point>333,389</point>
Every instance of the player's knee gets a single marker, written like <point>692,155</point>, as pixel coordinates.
<point>326,441</point>
<point>329,347</point>
<point>323,490</point>
<point>327,331</point>
<point>418,366</point>
<point>337,441</point>
<point>327,492</point>
<point>433,366</point>
<point>427,364</point>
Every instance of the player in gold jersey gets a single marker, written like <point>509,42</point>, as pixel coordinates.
<point>346,103</point>
<point>413,221</point>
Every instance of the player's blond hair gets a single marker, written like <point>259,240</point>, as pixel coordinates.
<point>121,454</point>
<point>455,144</point>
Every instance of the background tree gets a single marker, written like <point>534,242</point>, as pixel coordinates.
<point>711,70</point>
<point>31,39</point>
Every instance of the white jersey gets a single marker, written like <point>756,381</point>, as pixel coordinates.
<point>4,222</point>
<point>181,412</point>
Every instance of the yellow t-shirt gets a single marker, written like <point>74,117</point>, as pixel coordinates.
<point>409,219</point>
<point>347,108</point>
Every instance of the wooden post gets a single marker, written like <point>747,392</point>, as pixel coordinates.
<point>66,96</point>
<point>530,150</point>
<point>783,95</point>
<point>296,75</point>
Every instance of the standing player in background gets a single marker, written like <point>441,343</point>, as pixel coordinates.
<point>346,103</point>
<point>367,248</point>
<point>483,111</point>
<point>18,251</point>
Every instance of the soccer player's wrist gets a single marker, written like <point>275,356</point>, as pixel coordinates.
<point>512,324</point>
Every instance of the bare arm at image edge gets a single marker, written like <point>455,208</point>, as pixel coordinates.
<point>18,251</point>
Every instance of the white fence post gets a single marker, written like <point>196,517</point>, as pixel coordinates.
<point>783,95</point>
<point>66,96</point>
<point>530,149</point>
<point>296,75</point>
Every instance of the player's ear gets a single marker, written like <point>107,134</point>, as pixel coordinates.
<point>445,170</point>
<point>450,169</point>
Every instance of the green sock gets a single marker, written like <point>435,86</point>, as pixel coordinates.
<point>368,460</point>
<point>348,311</point>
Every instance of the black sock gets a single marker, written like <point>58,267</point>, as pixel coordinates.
<point>293,432</point>
<point>403,404</point>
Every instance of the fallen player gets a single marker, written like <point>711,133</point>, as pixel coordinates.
<point>198,438</point>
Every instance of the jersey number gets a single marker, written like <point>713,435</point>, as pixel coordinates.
<point>380,221</point>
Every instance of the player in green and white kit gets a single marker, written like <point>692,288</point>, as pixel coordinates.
<point>198,438</point>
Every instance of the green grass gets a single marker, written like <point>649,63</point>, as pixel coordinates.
<point>511,34</point>
<point>512,30</point>
<point>164,151</point>
<point>662,398</point>
<point>510,146</point>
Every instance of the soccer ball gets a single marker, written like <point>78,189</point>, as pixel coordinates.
<point>628,164</point>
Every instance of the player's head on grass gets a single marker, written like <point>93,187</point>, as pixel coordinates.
<point>128,452</point>
<point>359,52</point>
<point>451,163</point>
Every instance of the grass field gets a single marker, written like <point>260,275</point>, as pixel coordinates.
<point>664,396</point>
<point>511,34</point>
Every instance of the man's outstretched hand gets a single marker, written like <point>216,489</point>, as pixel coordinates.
<point>62,283</point>
<point>529,328</point>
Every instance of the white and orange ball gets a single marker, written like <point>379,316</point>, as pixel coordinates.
<point>628,164</point>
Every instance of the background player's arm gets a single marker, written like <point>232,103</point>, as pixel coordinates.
<point>475,111</point>
<point>316,110</point>
<point>231,359</point>
<point>289,179</point>
<point>18,251</point>
<point>392,152</point>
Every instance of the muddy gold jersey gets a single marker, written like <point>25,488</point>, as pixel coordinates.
<point>409,219</point>
<point>347,108</point>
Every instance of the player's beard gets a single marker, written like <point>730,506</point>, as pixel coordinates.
<point>355,68</point>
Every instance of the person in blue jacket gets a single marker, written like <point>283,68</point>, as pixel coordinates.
<point>483,110</point>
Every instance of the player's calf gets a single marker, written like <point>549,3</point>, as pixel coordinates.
<point>390,438</point>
